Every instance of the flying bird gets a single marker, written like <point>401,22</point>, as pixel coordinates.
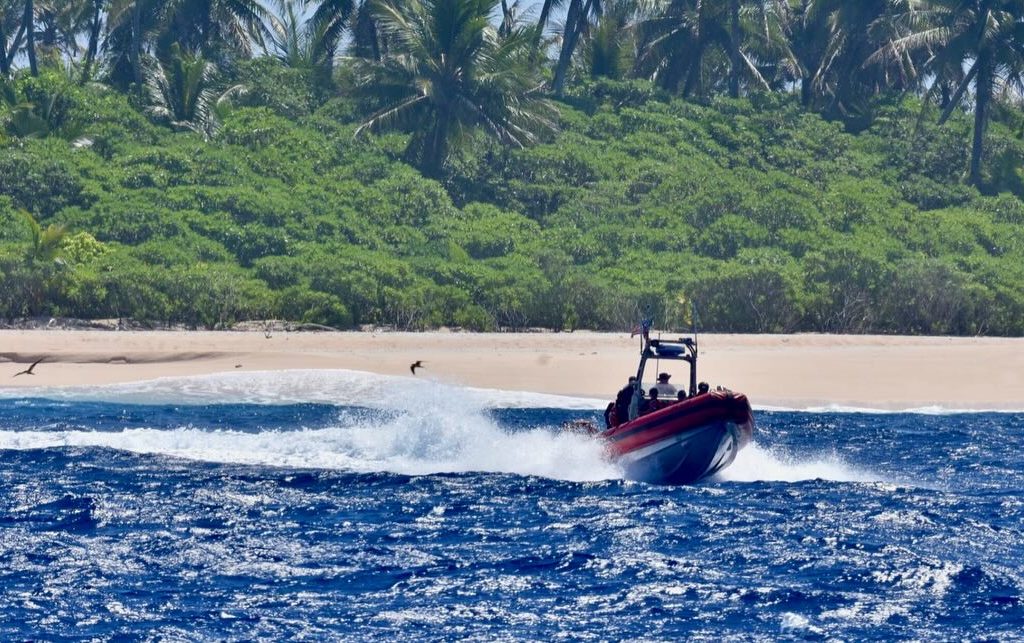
<point>28,371</point>
<point>417,364</point>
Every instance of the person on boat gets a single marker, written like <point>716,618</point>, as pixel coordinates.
<point>665,389</point>
<point>609,416</point>
<point>703,388</point>
<point>622,400</point>
<point>651,404</point>
<point>680,395</point>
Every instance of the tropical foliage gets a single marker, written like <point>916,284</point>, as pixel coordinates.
<point>784,164</point>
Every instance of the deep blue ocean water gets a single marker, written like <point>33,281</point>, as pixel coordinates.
<point>163,516</point>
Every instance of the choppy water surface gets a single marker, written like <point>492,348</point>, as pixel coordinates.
<point>306,506</point>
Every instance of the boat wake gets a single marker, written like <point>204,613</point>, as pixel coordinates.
<point>428,429</point>
<point>328,386</point>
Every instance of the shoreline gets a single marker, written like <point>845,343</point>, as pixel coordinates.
<point>882,372</point>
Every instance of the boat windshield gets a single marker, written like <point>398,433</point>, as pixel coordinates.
<point>681,350</point>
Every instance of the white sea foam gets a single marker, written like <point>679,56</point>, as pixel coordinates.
<point>756,463</point>
<point>340,386</point>
<point>919,410</point>
<point>296,386</point>
<point>434,429</point>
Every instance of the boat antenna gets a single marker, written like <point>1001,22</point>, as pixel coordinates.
<point>693,364</point>
<point>693,320</point>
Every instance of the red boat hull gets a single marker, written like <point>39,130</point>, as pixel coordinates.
<point>683,442</point>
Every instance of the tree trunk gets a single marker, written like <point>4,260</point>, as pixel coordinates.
<point>435,151</point>
<point>574,20</point>
<point>12,51</point>
<point>693,78</point>
<point>5,69</point>
<point>207,37</point>
<point>30,29</point>
<point>735,59</point>
<point>806,92</point>
<point>135,52</point>
<point>983,96</point>
<point>365,35</point>
<point>95,26</point>
<point>542,22</point>
<point>506,20</point>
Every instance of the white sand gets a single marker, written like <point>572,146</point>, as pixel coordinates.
<point>797,371</point>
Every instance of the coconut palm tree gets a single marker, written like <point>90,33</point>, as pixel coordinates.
<point>289,41</point>
<point>38,112</point>
<point>367,39</point>
<point>334,18</point>
<point>214,28</point>
<point>12,30</point>
<point>131,28</point>
<point>91,15</point>
<point>58,23</point>
<point>546,7</point>
<point>331,18</point>
<point>839,54</point>
<point>609,46</point>
<point>448,72</point>
<point>577,18</point>
<point>686,42</point>
<point>985,37</point>
<point>184,92</point>
<point>45,244</point>
<point>30,33</point>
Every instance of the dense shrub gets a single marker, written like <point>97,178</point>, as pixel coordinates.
<point>768,218</point>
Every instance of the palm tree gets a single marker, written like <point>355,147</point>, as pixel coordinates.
<point>9,24</point>
<point>683,42</point>
<point>184,93</point>
<point>331,19</point>
<point>39,113</point>
<point>214,27</point>
<point>90,18</point>
<point>577,18</point>
<point>838,47</point>
<point>985,37</point>
<point>45,244</point>
<point>760,47</point>
<point>30,32</point>
<point>291,43</point>
<point>545,15</point>
<point>59,22</point>
<point>367,41</point>
<point>447,72</point>
<point>609,46</point>
<point>131,25</point>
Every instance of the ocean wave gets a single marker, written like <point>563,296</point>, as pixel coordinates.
<point>428,429</point>
<point>331,386</point>
<point>341,386</point>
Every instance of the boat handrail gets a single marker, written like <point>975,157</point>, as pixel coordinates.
<point>683,349</point>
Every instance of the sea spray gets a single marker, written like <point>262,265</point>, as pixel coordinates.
<point>329,386</point>
<point>757,463</point>
<point>101,543</point>
<point>428,428</point>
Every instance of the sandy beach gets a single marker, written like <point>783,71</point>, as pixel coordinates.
<point>793,371</point>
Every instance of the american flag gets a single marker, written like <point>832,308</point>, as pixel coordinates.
<point>643,329</point>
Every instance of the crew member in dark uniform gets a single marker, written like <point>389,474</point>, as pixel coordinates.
<point>622,400</point>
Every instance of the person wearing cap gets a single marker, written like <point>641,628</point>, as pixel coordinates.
<point>665,390</point>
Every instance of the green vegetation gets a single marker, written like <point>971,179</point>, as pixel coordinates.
<point>205,186</point>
